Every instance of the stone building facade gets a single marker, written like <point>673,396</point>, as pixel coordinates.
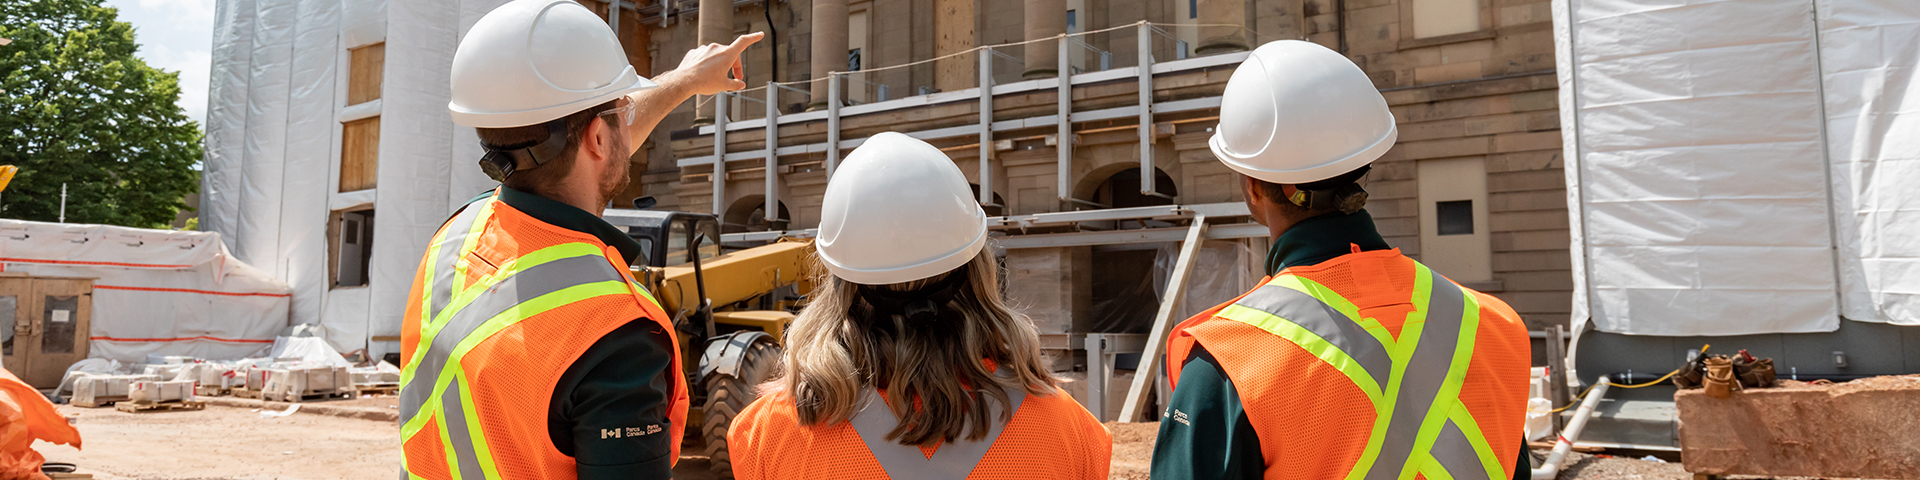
<point>1474,187</point>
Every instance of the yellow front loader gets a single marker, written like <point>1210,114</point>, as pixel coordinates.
<point>731,309</point>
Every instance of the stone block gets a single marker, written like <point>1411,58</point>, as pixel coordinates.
<point>1413,132</point>
<point>1493,124</point>
<point>1526,303</point>
<point>1466,51</point>
<point>1527,201</point>
<point>1528,221</point>
<point>1525,161</point>
<point>1450,147</point>
<point>1534,261</point>
<point>1542,281</point>
<point>1448,72</point>
<point>1859,429</point>
<point>1527,181</point>
<point>1533,240</point>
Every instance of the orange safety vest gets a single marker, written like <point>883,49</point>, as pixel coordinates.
<point>501,306</point>
<point>1370,366</point>
<point>1048,436</point>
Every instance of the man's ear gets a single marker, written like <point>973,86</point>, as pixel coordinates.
<point>597,137</point>
<point>1251,188</point>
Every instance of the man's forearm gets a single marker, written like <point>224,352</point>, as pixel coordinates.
<point>653,104</point>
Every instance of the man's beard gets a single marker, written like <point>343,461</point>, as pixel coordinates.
<point>620,174</point>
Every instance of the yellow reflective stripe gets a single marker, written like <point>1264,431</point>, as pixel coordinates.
<point>1339,303</point>
<point>474,432</point>
<point>1464,419</point>
<point>1401,351</point>
<point>1308,341</point>
<point>511,316</point>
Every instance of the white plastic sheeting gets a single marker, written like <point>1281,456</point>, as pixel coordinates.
<point>156,292</point>
<point>1870,62</point>
<point>273,148</point>
<point>1702,194</point>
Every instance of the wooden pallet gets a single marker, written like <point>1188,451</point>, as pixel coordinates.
<point>100,401</point>
<point>389,389</point>
<point>244,393</point>
<point>131,407</point>
<point>209,391</point>
<point>280,397</point>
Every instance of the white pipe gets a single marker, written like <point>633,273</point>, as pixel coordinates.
<point>1551,469</point>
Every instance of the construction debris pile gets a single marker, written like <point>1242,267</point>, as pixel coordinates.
<point>300,367</point>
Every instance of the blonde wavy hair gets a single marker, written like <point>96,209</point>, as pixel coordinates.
<point>932,372</point>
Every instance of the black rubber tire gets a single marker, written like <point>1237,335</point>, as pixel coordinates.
<point>727,395</point>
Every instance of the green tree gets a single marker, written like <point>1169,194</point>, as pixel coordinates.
<point>80,109</point>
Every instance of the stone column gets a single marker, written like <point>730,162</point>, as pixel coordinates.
<point>953,32</point>
<point>716,26</point>
<point>1044,19</point>
<point>1222,39</point>
<point>829,46</point>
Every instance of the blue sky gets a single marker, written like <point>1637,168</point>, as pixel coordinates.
<point>177,36</point>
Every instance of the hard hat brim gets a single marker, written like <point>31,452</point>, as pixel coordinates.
<point>1334,168</point>
<point>907,273</point>
<point>632,82</point>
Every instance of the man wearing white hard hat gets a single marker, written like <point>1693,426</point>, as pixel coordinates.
<point>907,362</point>
<point>1350,360</point>
<point>528,351</point>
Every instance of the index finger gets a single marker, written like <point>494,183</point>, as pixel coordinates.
<point>741,44</point>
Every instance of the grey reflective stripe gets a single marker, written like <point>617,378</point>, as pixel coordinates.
<point>450,252</point>
<point>953,460</point>
<point>1455,453</point>
<point>454,419</point>
<point>1326,322</point>
<point>531,283</point>
<point>1420,383</point>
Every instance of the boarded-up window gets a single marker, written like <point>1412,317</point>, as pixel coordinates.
<point>359,154</point>
<point>364,73</point>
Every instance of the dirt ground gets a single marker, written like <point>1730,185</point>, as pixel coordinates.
<point>237,443</point>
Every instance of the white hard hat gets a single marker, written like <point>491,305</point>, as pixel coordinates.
<point>533,61</point>
<point>898,210</point>
<point>1296,112</point>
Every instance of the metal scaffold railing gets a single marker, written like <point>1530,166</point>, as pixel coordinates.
<point>874,90</point>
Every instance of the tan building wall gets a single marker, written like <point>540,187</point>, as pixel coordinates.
<point>1486,95</point>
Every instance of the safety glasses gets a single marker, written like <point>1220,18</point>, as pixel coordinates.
<point>623,112</point>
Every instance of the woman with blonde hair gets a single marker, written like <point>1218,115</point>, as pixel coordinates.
<point>907,363</point>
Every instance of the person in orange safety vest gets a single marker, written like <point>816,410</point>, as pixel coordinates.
<point>907,364</point>
<point>1350,361</point>
<point>528,351</point>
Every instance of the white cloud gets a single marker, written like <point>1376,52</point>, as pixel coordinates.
<point>186,14</point>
